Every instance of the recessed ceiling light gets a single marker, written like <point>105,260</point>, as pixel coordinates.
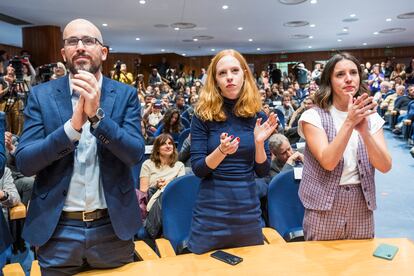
<point>388,19</point>
<point>310,47</point>
<point>225,7</point>
<point>345,29</point>
<point>195,39</point>
<point>339,40</point>
<point>311,37</point>
<point>364,43</point>
<point>375,33</point>
<point>142,2</point>
<point>184,54</point>
<point>250,39</point>
<point>352,15</point>
<point>258,49</point>
<point>240,28</point>
<point>314,1</point>
<point>104,24</point>
<point>312,25</point>
<point>162,50</point>
<point>176,29</point>
<point>213,50</point>
<point>137,38</point>
<point>110,49</point>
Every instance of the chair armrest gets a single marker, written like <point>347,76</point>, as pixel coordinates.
<point>271,236</point>
<point>144,252</point>
<point>165,248</point>
<point>35,269</point>
<point>14,269</point>
<point>18,211</point>
<point>407,122</point>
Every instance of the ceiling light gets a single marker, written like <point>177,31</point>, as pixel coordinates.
<point>176,29</point>
<point>388,19</point>
<point>375,33</point>
<point>345,29</point>
<point>339,40</point>
<point>310,47</point>
<point>352,15</point>
<point>250,39</point>
<point>104,24</point>
<point>183,54</point>
<point>240,28</point>
<point>311,37</point>
<point>110,49</point>
<point>213,50</point>
<point>364,43</point>
<point>137,38</point>
<point>258,49</point>
<point>312,25</point>
<point>225,7</point>
<point>314,1</point>
<point>142,2</point>
<point>195,39</point>
<point>162,50</point>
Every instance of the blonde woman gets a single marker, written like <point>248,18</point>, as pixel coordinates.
<point>228,147</point>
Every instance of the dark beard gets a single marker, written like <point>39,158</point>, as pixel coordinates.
<point>91,68</point>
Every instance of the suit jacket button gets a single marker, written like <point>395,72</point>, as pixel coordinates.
<point>65,193</point>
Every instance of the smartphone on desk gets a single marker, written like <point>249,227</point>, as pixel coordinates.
<point>226,257</point>
<point>386,251</point>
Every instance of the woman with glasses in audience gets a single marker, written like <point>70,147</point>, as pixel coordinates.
<point>228,149</point>
<point>344,146</point>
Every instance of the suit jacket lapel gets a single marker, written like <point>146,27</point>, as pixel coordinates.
<point>63,99</point>
<point>107,96</point>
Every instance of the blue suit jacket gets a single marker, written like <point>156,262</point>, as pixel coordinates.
<point>5,237</point>
<point>45,150</point>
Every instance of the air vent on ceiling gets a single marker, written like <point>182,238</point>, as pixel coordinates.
<point>297,23</point>
<point>352,19</point>
<point>13,20</point>
<point>161,26</point>
<point>291,2</point>
<point>299,36</point>
<point>343,33</point>
<point>203,37</point>
<point>183,25</point>
<point>392,30</point>
<point>408,15</point>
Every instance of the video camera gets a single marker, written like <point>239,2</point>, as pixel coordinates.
<point>17,63</point>
<point>46,71</point>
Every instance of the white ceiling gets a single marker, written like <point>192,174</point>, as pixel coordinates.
<point>262,21</point>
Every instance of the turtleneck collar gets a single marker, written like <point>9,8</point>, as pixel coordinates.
<point>229,103</point>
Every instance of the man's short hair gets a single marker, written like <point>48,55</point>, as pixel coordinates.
<point>275,141</point>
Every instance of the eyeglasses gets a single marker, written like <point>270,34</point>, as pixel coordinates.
<point>86,40</point>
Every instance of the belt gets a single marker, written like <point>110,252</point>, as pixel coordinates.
<point>86,216</point>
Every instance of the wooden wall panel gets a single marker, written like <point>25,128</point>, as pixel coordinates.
<point>43,43</point>
<point>11,50</point>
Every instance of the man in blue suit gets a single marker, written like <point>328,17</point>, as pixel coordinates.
<point>81,138</point>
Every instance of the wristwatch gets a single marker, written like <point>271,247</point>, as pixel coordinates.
<point>5,196</point>
<point>99,115</point>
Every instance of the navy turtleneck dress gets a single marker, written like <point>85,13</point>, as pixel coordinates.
<point>227,210</point>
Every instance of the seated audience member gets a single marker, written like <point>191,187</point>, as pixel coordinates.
<point>171,124</point>
<point>154,116</point>
<point>154,78</point>
<point>387,105</point>
<point>401,108</point>
<point>180,104</point>
<point>24,184</point>
<point>58,71</point>
<point>385,87</point>
<point>156,173</point>
<point>286,108</point>
<point>9,196</point>
<point>283,156</point>
<point>291,130</point>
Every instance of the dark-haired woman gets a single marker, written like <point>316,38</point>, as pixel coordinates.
<point>171,124</point>
<point>156,173</point>
<point>344,146</point>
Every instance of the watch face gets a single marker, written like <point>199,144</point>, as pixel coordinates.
<point>100,113</point>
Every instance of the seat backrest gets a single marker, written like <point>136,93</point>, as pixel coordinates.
<point>183,135</point>
<point>284,206</point>
<point>281,117</point>
<point>178,200</point>
<point>185,122</point>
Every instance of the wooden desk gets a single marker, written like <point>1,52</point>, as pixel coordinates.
<point>302,258</point>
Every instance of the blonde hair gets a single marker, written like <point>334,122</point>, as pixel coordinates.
<point>210,103</point>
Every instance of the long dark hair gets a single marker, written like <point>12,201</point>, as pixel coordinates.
<point>155,155</point>
<point>324,96</point>
<point>168,127</point>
